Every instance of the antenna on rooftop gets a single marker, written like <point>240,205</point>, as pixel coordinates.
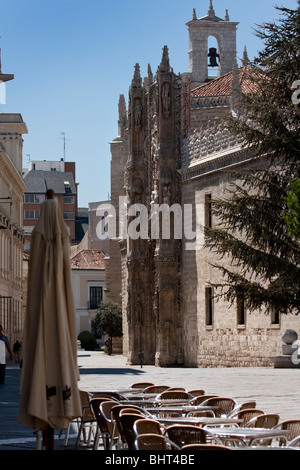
<point>64,139</point>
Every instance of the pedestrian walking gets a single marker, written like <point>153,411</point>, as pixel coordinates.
<point>4,346</point>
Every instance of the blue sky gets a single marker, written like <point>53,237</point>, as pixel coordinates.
<point>73,58</point>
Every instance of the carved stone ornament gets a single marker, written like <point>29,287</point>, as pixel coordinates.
<point>138,114</point>
<point>166,98</point>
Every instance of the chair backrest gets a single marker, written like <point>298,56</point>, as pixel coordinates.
<point>126,423</point>
<point>174,395</point>
<point>267,421</point>
<point>154,442</point>
<point>200,399</point>
<point>248,414</point>
<point>85,400</point>
<point>132,411</point>
<point>95,404</point>
<point>224,405</point>
<point>105,409</point>
<point>247,405</point>
<point>177,389</point>
<point>185,434</point>
<point>197,393</point>
<point>141,385</point>
<point>156,388</point>
<point>148,426</point>
<point>84,397</point>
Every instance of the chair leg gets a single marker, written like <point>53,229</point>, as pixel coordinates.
<point>79,434</point>
<point>96,440</point>
<point>67,435</point>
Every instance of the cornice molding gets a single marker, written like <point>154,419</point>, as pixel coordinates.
<point>218,162</point>
<point>10,174</point>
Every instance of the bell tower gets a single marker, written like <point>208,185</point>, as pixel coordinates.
<point>204,59</point>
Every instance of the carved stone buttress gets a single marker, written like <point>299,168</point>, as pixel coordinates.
<point>153,264</point>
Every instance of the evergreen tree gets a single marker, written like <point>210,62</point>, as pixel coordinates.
<point>252,233</point>
<point>292,217</point>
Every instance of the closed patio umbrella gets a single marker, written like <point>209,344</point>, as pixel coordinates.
<point>49,395</point>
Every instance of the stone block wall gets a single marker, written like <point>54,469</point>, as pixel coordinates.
<point>224,343</point>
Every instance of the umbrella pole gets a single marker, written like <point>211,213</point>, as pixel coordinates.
<point>48,438</point>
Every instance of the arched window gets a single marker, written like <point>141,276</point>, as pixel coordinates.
<point>213,57</point>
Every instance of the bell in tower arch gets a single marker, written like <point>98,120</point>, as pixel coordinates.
<point>213,56</point>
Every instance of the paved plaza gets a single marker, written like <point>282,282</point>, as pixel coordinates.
<point>274,390</point>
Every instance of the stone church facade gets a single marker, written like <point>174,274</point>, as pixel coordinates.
<point>172,156</point>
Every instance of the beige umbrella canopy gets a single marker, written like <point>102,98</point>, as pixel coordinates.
<point>49,395</point>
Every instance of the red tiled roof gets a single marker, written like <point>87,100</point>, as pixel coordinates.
<point>88,259</point>
<point>222,86</point>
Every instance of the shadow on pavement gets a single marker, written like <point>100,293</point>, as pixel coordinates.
<point>110,371</point>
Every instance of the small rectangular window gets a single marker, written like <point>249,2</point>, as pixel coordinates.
<point>69,215</point>
<point>96,296</point>
<point>28,198</point>
<point>34,215</point>
<point>68,199</point>
<point>208,211</point>
<point>275,316</point>
<point>33,198</point>
<point>209,306</point>
<point>241,311</point>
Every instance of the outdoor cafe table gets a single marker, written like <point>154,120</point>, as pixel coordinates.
<point>245,436</point>
<point>122,391</point>
<point>200,421</point>
<point>144,401</point>
<point>183,409</point>
<point>139,396</point>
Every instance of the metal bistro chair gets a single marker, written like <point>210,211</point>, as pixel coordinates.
<point>115,416</point>
<point>105,410</point>
<point>126,428</point>
<point>293,428</point>
<point>102,429</point>
<point>87,420</point>
<point>247,415</point>
<point>266,421</point>
<point>185,434</point>
<point>154,442</point>
<point>224,405</point>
